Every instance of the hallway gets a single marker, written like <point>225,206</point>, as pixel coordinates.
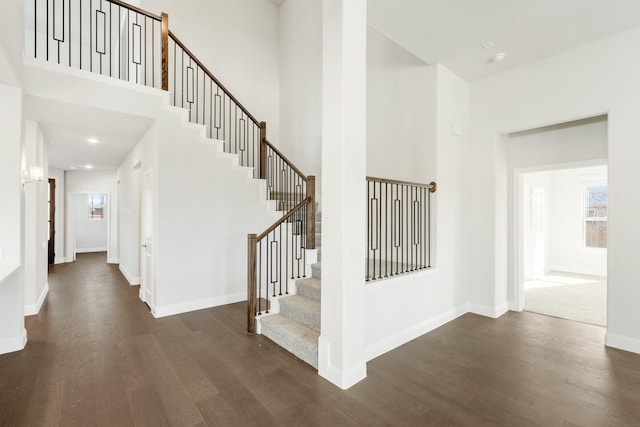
<point>95,356</point>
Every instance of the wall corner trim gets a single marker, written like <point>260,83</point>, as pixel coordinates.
<point>14,344</point>
<point>133,281</point>
<point>33,309</point>
<point>622,342</point>
<point>487,311</point>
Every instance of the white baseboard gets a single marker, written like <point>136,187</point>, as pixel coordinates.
<point>113,260</point>
<point>68,259</point>
<point>579,270</point>
<point>402,337</point>
<point>33,309</point>
<point>133,281</point>
<point>88,250</point>
<point>622,343</point>
<point>14,344</point>
<point>487,311</point>
<point>343,378</point>
<point>170,310</point>
<point>59,260</point>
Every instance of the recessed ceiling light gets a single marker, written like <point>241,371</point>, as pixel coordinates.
<point>487,45</point>
<point>93,140</point>
<point>497,57</point>
<point>88,166</point>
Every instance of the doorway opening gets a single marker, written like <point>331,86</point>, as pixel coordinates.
<point>51,221</point>
<point>89,223</point>
<point>564,243</point>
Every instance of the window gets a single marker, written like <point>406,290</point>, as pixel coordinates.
<point>96,206</point>
<point>595,216</point>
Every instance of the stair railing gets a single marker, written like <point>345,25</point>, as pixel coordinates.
<point>278,255</point>
<point>116,39</point>
<point>192,86</point>
<point>107,37</point>
<point>398,227</point>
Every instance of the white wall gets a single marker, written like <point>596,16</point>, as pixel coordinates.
<point>238,42</point>
<point>138,162</point>
<point>35,222</point>
<point>567,250</point>
<point>400,112</point>
<point>205,207</point>
<point>300,43</point>
<point>58,175</point>
<point>12,332</point>
<point>81,183</point>
<point>91,235</point>
<point>562,88</point>
<point>11,42</point>
<point>401,309</point>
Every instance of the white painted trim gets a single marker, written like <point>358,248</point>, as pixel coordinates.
<point>33,309</point>
<point>14,344</point>
<point>170,310</point>
<point>133,281</point>
<point>622,343</point>
<point>402,337</point>
<point>68,259</point>
<point>579,270</point>
<point>88,250</point>
<point>59,260</point>
<point>113,260</point>
<point>343,379</point>
<point>487,311</point>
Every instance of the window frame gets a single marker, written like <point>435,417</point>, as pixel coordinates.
<point>588,182</point>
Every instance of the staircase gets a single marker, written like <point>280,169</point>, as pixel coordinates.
<point>296,327</point>
<point>155,57</point>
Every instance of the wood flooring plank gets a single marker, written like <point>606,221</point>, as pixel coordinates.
<point>96,356</point>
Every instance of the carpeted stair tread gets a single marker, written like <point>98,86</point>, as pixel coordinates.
<point>316,270</point>
<point>293,336</point>
<point>309,288</point>
<point>301,309</point>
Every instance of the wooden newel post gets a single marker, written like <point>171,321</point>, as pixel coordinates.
<point>263,150</point>
<point>252,241</point>
<point>164,41</point>
<point>311,212</point>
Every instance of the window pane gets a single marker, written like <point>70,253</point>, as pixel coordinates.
<point>96,206</point>
<point>595,216</point>
<point>596,202</point>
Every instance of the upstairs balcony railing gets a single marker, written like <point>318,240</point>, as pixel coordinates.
<point>118,40</point>
<point>398,227</point>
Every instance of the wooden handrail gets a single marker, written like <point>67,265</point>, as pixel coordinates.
<point>283,219</point>
<point>136,9</point>
<point>432,186</point>
<point>212,77</point>
<point>287,161</point>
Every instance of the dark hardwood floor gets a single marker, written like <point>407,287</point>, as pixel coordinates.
<point>97,357</point>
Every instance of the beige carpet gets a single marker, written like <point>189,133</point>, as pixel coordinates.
<point>568,296</point>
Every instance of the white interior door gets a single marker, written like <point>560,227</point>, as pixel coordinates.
<point>539,235</point>
<point>146,228</point>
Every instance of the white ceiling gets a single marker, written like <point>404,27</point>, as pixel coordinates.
<point>67,127</point>
<point>451,32</point>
